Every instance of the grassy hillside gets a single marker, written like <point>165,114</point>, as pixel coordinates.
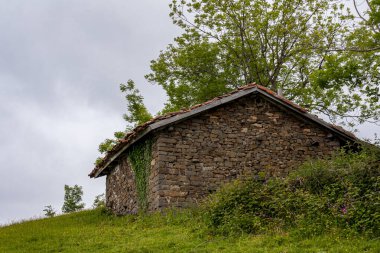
<point>95,231</point>
<point>324,206</point>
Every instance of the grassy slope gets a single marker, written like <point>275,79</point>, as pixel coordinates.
<point>93,231</point>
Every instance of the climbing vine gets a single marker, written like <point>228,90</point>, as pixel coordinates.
<point>140,157</point>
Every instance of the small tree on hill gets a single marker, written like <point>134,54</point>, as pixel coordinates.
<point>73,199</point>
<point>100,201</point>
<point>49,211</point>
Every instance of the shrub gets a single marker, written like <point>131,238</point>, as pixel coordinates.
<point>350,184</point>
<point>340,192</point>
<point>251,206</point>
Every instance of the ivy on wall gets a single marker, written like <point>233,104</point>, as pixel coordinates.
<point>140,157</point>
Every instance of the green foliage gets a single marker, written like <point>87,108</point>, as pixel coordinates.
<point>140,154</point>
<point>355,67</point>
<point>253,206</point>
<point>140,157</point>
<point>137,112</point>
<point>99,201</point>
<point>107,145</point>
<point>49,211</point>
<point>339,193</point>
<point>350,185</point>
<point>371,17</point>
<point>73,199</point>
<point>190,73</point>
<point>314,50</point>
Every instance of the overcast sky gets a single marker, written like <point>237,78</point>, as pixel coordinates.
<point>61,63</point>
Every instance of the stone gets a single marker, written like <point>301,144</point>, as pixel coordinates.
<point>196,156</point>
<point>244,130</point>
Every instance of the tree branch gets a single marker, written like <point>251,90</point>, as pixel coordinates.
<point>357,50</point>
<point>358,12</point>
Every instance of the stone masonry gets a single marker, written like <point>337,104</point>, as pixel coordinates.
<point>194,157</point>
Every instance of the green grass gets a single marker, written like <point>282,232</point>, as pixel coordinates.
<point>177,231</point>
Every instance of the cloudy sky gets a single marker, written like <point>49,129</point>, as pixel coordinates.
<point>61,63</point>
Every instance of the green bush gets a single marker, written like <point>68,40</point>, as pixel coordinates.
<point>350,185</point>
<point>342,192</point>
<point>253,206</point>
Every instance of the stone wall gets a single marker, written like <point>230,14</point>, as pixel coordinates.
<point>236,140</point>
<point>121,195</point>
<point>154,178</point>
<point>193,158</point>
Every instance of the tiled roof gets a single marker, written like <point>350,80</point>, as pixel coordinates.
<point>142,129</point>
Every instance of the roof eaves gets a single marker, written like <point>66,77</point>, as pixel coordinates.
<point>118,153</point>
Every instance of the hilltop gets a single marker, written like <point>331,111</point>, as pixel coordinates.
<point>178,231</point>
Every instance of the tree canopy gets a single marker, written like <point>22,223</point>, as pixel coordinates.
<point>316,52</point>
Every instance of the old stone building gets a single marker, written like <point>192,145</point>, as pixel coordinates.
<point>194,151</point>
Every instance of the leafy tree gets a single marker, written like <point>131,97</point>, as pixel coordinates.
<point>49,211</point>
<point>304,48</point>
<point>355,67</point>
<point>136,114</point>
<point>315,52</point>
<point>73,199</point>
<point>99,201</point>
<point>371,19</point>
<point>190,72</point>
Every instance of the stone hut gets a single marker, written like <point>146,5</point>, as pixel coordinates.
<point>196,150</point>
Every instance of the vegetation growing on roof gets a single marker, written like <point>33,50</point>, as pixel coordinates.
<point>107,146</point>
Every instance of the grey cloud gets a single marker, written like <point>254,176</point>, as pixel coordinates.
<point>60,66</point>
<point>93,45</point>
